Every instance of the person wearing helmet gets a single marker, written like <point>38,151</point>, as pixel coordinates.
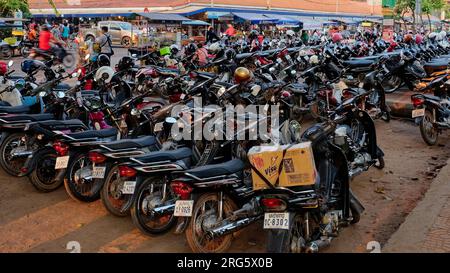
<point>174,50</point>
<point>242,75</point>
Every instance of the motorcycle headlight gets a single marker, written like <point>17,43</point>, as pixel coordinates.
<point>221,91</point>
<point>42,94</point>
<point>135,112</point>
<point>60,94</point>
<point>293,72</point>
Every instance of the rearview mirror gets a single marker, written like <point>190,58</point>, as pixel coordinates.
<point>10,63</point>
<point>74,75</point>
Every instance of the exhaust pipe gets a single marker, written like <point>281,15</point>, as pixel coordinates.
<point>162,210</point>
<point>22,154</point>
<point>231,227</point>
<point>317,245</point>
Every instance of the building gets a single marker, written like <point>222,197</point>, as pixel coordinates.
<point>339,8</point>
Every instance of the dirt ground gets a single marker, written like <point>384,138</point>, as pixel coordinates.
<point>47,222</point>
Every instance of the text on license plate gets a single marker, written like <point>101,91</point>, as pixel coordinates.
<point>418,113</point>
<point>128,187</point>
<point>98,172</point>
<point>276,220</point>
<point>183,208</point>
<point>61,162</point>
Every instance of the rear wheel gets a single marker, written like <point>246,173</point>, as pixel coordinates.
<point>126,42</point>
<point>153,192</point>
<point>391,83</point>
<point>10,149</point>
<point>111,194</point>
<point>79,183</point>
<point>204,217</point>
<point>43,176</point>
<point>428,131</point>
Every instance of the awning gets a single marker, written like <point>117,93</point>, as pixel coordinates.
<point>254,18</point>
<point>153,16</point>
<point>347,21</point>
<point>216,14</point>
<point>195,23</point>
<point>283,19</point>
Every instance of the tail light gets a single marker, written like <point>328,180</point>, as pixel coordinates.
<point>97,158</point>
<point>181,189</point>
<point>125,171</point>
<point>60,148</point>
<point>193,75</point>
<point>273,204</point>
<point>417,101</point>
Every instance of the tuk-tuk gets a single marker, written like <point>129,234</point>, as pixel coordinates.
<point>9,46</point>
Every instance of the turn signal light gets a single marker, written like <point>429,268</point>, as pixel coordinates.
<point>125,171</point>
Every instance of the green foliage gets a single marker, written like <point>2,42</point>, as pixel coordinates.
<point>8,7</point>
<point>431,5</point>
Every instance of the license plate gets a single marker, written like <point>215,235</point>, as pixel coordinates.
<point>98,172</point>
<point>128,187</point>
<point>62,162</point>
<point>418,113</point>
<point>158,127</point>
<point>276,220</point>
<point>183,208</point>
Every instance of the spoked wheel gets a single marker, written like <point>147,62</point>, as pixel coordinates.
<point>68,60</point>
<point>391,83</point>
<point>79,182</point>
<point>428,131</point>
<point>205,215</point>
<point>13,153</point>
<point>111,193</point>
<point>152,192</point>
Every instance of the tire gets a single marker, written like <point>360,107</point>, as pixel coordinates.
<point>393,82</point>
<point>108,198</point>
<point>81,189</point>
<point>126,42</point>
<point>43,175</point>
<point>380,164</point>
<point>428,130</point>
<point>140,218</point>
<point>25,51</point>
<point>13,141</point>
<point>6,52</point>
<point>193,226</point>
<point>278,241</point>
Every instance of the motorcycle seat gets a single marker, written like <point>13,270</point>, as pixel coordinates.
<point>172,155</point>
<point>432,97</point>
<point>26,117</point>
<point>297,87</point>
<point>62,86</point>
<point>358,63</point>
<point>21,109</point>
<point>103,133</point>
<point>124,144</point>
<point>434,66</point>
<point>63,124</point>
<point>213,170</point>
<point>242,56</point>
<point>206,74</point>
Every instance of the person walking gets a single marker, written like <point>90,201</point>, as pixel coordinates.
<point>211,36</point>
<point>104,42</point>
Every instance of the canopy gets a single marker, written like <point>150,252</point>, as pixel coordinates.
<point>153,16</point>
<point>195,23</point>
<point>254,18</point>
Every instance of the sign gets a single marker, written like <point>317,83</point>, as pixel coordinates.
<point>388,22</point>
<point>366,24</point>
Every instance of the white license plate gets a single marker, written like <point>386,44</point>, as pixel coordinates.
<point>158,127</point>
<point>98,172</point>
<point>418,113</point>
<point>128,187</point>
<point>276,220</point>
<point>183,208</point>
<point>62,162</point>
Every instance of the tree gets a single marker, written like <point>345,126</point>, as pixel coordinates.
<point>429,6</point>
<point>52,3</point>
<point>8,7</point>
<point>404,7</point>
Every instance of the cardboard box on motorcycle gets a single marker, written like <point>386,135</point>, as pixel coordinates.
<point>297,165</point>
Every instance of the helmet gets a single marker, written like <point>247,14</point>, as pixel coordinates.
<point>103,60</point>
<point>3,68</point>
<point>230,54</point>
<point>242,74</point>
<point>408,38</point>
<point>125,63</point>
<point>406,55</point>
<point>191,48</point>
<point>290,32</point>
<point>419,39</point>
<point>174,49</point>
<point>105,72</point>
<point>29,66</point>
<point>443,34</point>
<point>215,47</point>
<point>336,38</point>
<point>253,34</point>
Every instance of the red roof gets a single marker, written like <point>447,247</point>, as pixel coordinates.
<point>345,6</point>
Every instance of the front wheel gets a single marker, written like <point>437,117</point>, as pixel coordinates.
<point>25,51</point>
<point>126,42</point>
<point>205,215</point>
<point>153,192</point>
<point>427,129</point>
